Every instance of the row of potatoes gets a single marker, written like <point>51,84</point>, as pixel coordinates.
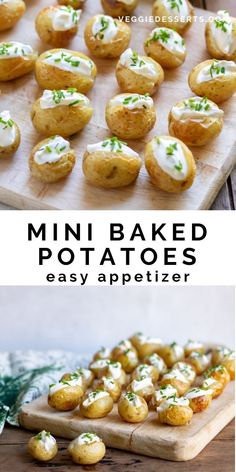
<point>140,374</point>
<point>63,111</point>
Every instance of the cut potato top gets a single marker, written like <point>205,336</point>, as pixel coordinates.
<point>69,97</point>
<point>170,157</point>
<point>215,70</point>
<point>198,392</point>
<point>175,374</point>
<point>133,399</point>
<point>140,383</point>
<point>85,438</point>
<point>197,109</point>
<point>94,396</point>
<point>165,392</point>
<point>138,64</point>
<point>15,49</point>
<point>104,28</point>
<point>46,440</point>
<point>7,129</point>
<point>173,401</point>
<point>132,101</point>
<point>64,18</point>
<point>113,145</point>
<point>222,32</point>
<point>169,39</point>
<point>52,150</point>
<point>68,61</point>
<point>178,8</point>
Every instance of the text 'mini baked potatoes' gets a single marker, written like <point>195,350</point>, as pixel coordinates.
<point>138,74</point>
<point>65,395</point>
<point>16,60</point>
<point>175,412</point>
<point>111,164</point>
<point>57,25</point>
<point>62,68</point>
<point>87,449</point>
<point>118,8</point>
<point>96,404</point>
<point>195,121</point>
<point>214,79</point>
<point>177,15</point>
<point>62,112</point>
<point>42,447</point>
<point>10,13</point>
<point>167,47</point>
<point>130,116</point>
<point>132,408</point>
<point>76,4</point>
<point>106,37</point>
<point>221,36</point>
<point>9,135</point>
<point>170,164</point>
<point>52,159</point>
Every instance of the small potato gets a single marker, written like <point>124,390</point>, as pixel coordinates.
<point>99,366</point>
<point>176,379</point>
<point>138,74</point>
<point>143,387</point>
<point>42,447</point>
<point>110,385</point>
<point>87,376</point>
<point>52,159</point>
<point>65,395</point>
<point>76,4</point>
<point>171,353</point>
<point>200,362</point>
<point>215,386</point>
<point>105,37</point>
<point>9,135</point>
<point>219,353</point>
<point>218,372</point>
<point>57,25</point>
<point>10,13</point>
<point>229,362</point>
<point>96,404</point>
<point>102,353</point>
<point>132,408</point>
<point>62,112</point>
<point>126,354</point>
<point>68,377</point>
<point>176,15</point>
<point>170,164</point>
<point>114,370</point>
<point>111,164</point>
<point>87,449</point>
<point>118,8</point>
<point>58,69</point>
<point>195,121</point>
<point>145,370</point>
<point>175,412</point>
<point>156,361</point>
<point>147,345</point>
<point>16,59</point>
<point>161,395</point>
<point>187,370</point>
<point>221,36</point>
<point>195,346</point>
<point>166,47</point>
<point>199,399</point>
<point>130,116</point>
<point>214,79</point>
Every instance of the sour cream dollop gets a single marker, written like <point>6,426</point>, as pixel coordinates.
<point>169,39</point>
<point>179,8</point>
<point>66,60</point>
<point>94,396</point>
<point>197,392</point>
<point>65,18</point>
<point>15,49</point>
<point>172,402</point>
<point>216,70</point>
<point>104,28</point>
<point>56,98</point>
<point>47,440</point>
<point>7,129</point>
<point>197,109</point>
<point>170,157</point>
<point>222,31</point>
<point>52,151</point>
<point>133,101</point>
<point>138,64</point>
<point>85,438</point>
<point>112,145</point>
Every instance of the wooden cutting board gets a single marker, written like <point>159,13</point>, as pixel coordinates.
<point>214,161</point>
<point>148,438</point>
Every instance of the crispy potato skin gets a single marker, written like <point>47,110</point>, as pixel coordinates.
<point>98,409</point>
<point>195,133</point>
<point>188,351</point>
<point>176,415</point>
<point>87,454</point>
<point>127,364</point>
<point>107,50</point>
<point>130,124</point>
<point>54,171</point>
<point>110,170</point>
<point>164,181</point>
<point>230,366</point>
<point>200,403</point>
<point>159,10</point>
<point>154,374</point>
<point>76,4</point>
<point>163,56</point>
<point>167,353</point>
<point>197,365</point>
<point>11,13</point>
<point>131,82</point>
<point>212,47</point>
<point>66,399</point>
<point>130,413</point>
<point>218,90</point>
<point>50,77</point>
<point>62,120</point>
<point>38,452</point>
<point>181,387</point>
<point>146,349</point>
<point>44,28</point>
<point>222,376</point>
<point>217,388</point>
<point>115,8</point>
<point>9,150</point>
<point>114,392</point>
<point>15,67</point>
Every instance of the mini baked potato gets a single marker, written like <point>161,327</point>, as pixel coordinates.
<point>200,362</point>
<point>195,121</point>
<point>138,74</point>
<point>16,59</point>
<point>142,386</point>
<point>87,376</point>
<point>187,370</point>
<point>228,361</point>
<point>156,361</point>
<point>170,164</point>
<point>58,69</point>
<point>177,15</point>
<point>218,354</point>
<point>52,159</point>
<point>57,25</point>
<point>62,112</point>
<point>130,116</point>
<point>10,13</point>
<point>114,370</point>
<point>111,164</point>
<point>221,36</point>
<point>171,353</point>
<point>126,354</point>
<point>214,79</point>
<point>162,394</point>
<point>105,37</point>
<point>218,372</point>
<point>176,379</point>
<point>195,346</point>
<point>122,347</point>
<point>87,449</point>
<point>132,408</point>
<point>96,404</point>
<point>99,366</point>
<point>118,8</point>
<point>166,47</point>
<point>147,345</point>
<point>110,385</point>
<point>215,386</point>
<point>102,353</point>
<point>42,447</point>
<point>9,135</point>
<point>76,4</point>
<point>199,399</point>
<point>65,395</point>
<point>69,376</point>
<point>175,412</point>
<point>145,370</point>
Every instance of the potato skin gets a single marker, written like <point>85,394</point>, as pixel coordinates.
<point>98,409</point>
<point>130,413</point>
<point>200,403</point>
<point>9,150</point>
<point>168,354</point>
<point>15,67</point>
<point>163,56</point>
<point>159,10</point>
<point>44,28</point>
<point>114,392</point>
<point>107,50</point>
<point>76,4</point>
<point>87,454</point>
<point>11,13</point>
<point>35,449</point>
<point>218,89</point>
<point>230,366</point>
<point>220,373</point>
<point>110,170</point>
<point>212,47</point>
<point>50,77</point>
<point>164,181</point>
<point>54,171</point>
<point>66,399</point>
<point>62,120</point>
<point>146,392</point>
<point>176,415</point>
<point>115,8</point>
<point>131,82</point>
<point>180,386</point>
<point>130,124</point>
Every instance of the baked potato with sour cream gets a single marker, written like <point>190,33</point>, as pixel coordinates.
<point>147,345</point>
<point>199,399</point>
<point>10,13</point>
<point>170,164</point>
<point>175,412</point>
<point>200,362</point>
<point>146,370</point>
<point>176,379</point>
<point>218,354</point>
<point>156,361</point>
<point>132,408</point>
<point>219,373</point>
<point>195,346</point>
<point>142,386</point>
<point>171,353</point>
<point>117,8</point>
<point>96,404</point>
<point>187,370</point>
<point>176,15</point>
<point>221,36</point>
<point>65,395</point>
<point>110,385</point>
<point>229,362</point>
<point>166,47</point>
<point>161,394</point>
<point>42,447</point>
<point>57,25</point>
<point>76,4</point>
<point>215,386</point>
<point>16,59</point>
<point>87,449</point>
<point>10,136</point>
<point>102,353</point>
